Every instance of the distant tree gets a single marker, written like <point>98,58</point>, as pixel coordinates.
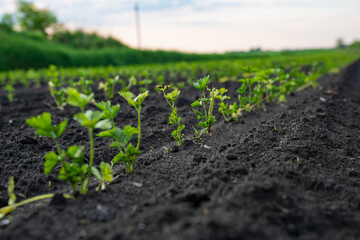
<point>340,43</point>
<point>82,40</point>
<point>32,19</point>
<point>7,22</point>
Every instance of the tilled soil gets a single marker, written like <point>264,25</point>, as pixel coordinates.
<point>290,172</point>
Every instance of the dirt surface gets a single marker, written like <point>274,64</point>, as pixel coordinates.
<point>291,172</point>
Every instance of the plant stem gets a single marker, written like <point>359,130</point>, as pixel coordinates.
<point>204,106</point>
<point>211,107</point>
<point>91,162</point>
<point>9,209</point>
<point>139,127</point>
<point>58,147</point>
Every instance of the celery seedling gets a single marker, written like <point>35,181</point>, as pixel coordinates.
<point>224,108</point>
<point>247,82</point>
<point>127,152</point>
<point>85,85</point>
<point>128,158</point>
<point>55,88</point>
<point>207,104</point>
<point>109,86</point>
<point>91,120</point>
<point>10,92</point>
<point>105,176</point>
<point>71,172</point>
<point>173,119</point>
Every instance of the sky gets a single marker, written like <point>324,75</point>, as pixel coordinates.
<point>205,26</point>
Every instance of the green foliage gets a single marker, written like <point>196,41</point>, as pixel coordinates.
<point>122,137</point>
<point>44,127</point>
<point>31,18</point>
<point>174,118</point>
<point>10,92</point>
<point>56,91</point>
<point>205,118</point>
<point>73,169</point>
<point>78,99</point>
<point>132,100</point>
<point>109,111</point>
<point>81,40</point>
<point>227,110</point>
<point>92,119</point>
<point>201,83</point>
<point>109,86</point>
<point>85,86</point>
<point>105,176</point>
<point>39,52</point>
<point>7,22</point>
<point>128,157</point>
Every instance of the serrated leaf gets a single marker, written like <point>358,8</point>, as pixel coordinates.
<point>196,104</point>
<point>60,128</point>
<point>173,95</point>
<point>43,126</point>
<point>173,119</point>
<point>76,154</point>
<point>199,115</point>
<point>110,111</point>
<point>95,172</point>
<point>129,130</point>
<point>201,83</point>
<point>103,124</point>
<point>78,99</point>
<point>118,158</point>
<point>51,160</point>
<point>141,97</point>
<point>116,144</point>
<point>128,97</point>
<point>121,137</point>
<point>89,118</point>
<point>106,171</point>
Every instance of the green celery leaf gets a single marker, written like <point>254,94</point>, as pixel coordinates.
<point>51,160</point>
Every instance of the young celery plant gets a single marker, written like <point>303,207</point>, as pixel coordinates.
<point>127,152</point>
<point>91,120</point>
<point>85,85</point>
<point>247,82</point>
<point>173,119</point>
<point>55,88</point>
<point>128,158</point>
<point>109,86</point>
<point>110,111</point>
<point>10,92</point>
<point>121,137</point>
<point>206,103</point>
<point>227,110</point>
<point>71,172</point>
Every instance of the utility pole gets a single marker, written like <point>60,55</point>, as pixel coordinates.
<point>137,19</point>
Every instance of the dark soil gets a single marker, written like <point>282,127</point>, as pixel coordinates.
<point>291,172</point>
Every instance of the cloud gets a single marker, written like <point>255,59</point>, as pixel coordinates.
<point>212,25</point>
